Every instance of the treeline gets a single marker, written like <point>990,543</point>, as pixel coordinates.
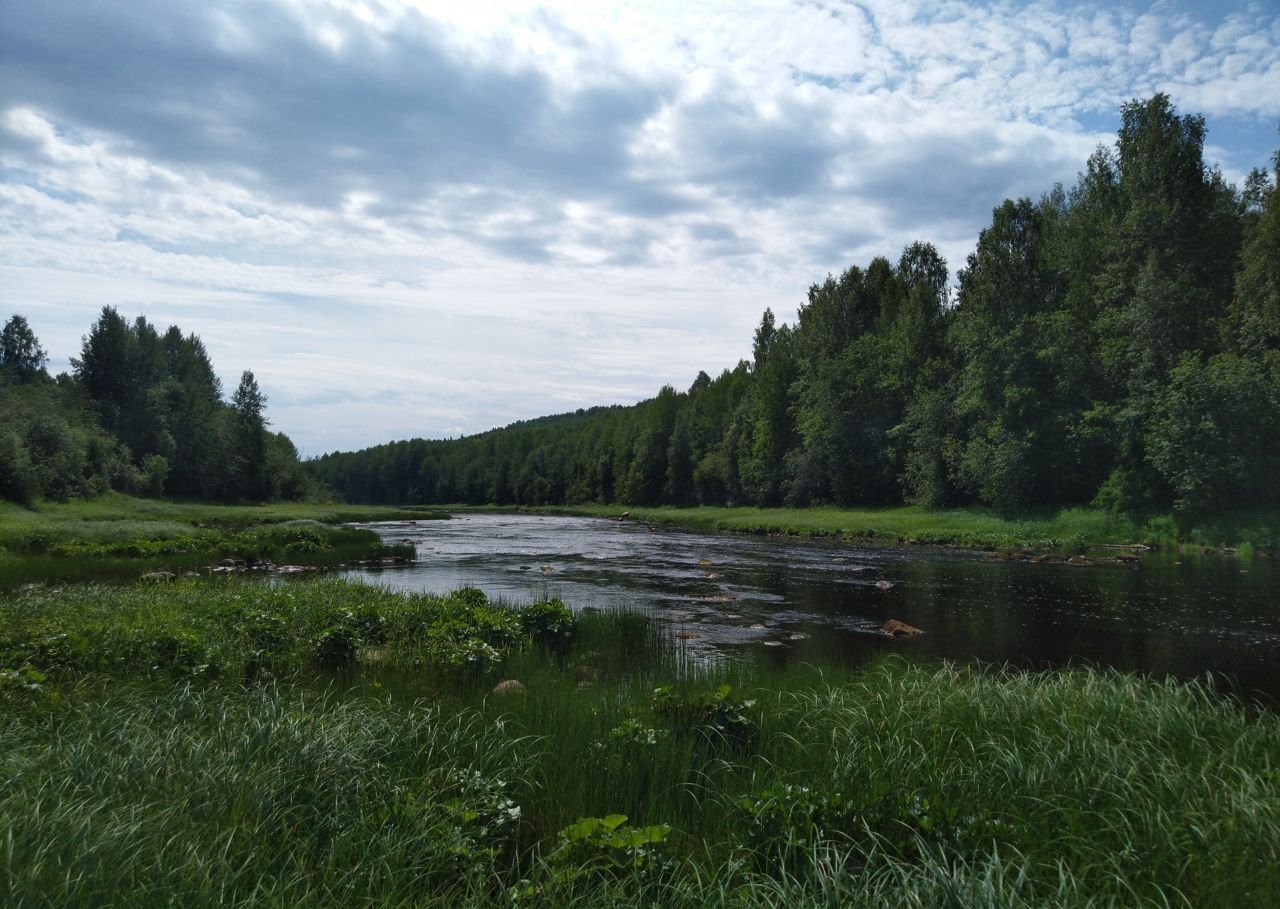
<point>1117,343</point>
<point>141,412</point>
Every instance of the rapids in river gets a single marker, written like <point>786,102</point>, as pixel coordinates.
<point>1165,615</point>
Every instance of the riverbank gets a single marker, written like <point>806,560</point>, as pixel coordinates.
<point>121,536</point>
<point>325,743</point>
<point>1069,530</point>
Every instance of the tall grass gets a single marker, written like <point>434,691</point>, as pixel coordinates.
<point>270,797</point>
<point>402,777</point>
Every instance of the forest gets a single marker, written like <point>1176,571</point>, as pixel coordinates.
<point>141,413</point>
<point>1115,344</point>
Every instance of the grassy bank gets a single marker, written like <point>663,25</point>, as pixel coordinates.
<point>1071,529</point>
<point>122,536</point>
<point>324,743</point>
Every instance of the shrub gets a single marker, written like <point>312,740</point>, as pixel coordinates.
<point>548,622</point>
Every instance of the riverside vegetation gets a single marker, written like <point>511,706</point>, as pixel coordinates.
<point>123,537</point>
<point>1069,529</point>
<point>318,742</point>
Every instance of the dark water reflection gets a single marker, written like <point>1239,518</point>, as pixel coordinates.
<point>1168,615</point>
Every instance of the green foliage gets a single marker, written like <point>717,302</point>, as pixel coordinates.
<point>629,734</point>
<point>277,794</point>
<point>784,826</point>
<point>21,357</point>
<point>1052,379</point>
<point>713,715</point>
<point>548,622</point>
<point>606,846</point>
<point>974,528</point>
<point>893,785</point>
<point>1215,435</point>
<point>21,679</point>
<point>85,547</point>
<point>249,447</point>
<point>117,536</point>
<point>18,482</point>
<point>245,628</point>
<point>143,414</point>
<point>1255,315</point>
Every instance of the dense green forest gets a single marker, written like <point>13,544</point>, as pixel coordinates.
<point>142,412</point>
<point>1116,343</point>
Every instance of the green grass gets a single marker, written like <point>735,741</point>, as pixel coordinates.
<point>1070,529</point>
<point>115,507</point>
<point>966,527</point>
<point>239,628</point>
<point>118,536</point>
<point>349,750</point>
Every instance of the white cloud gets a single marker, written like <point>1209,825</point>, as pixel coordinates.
<point>412,217</point>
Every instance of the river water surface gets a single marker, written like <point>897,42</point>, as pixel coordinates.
<point>1168,615</point>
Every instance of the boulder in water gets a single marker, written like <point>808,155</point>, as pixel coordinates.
<point>895,629</point>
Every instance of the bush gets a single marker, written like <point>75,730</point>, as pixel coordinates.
<point>549,622</point>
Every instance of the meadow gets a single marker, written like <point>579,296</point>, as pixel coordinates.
<point>122,536</point>
<point>316,742</point>
<point>1064,530</point>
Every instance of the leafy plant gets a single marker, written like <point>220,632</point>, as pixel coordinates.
<point>630,732</point>
<point>335,646</point>
<point>714,714</point>
<point>548,622</point>
<point>784,825</point>
<point>606,847</point>
<point>22,679</point>
<point>481,819</point>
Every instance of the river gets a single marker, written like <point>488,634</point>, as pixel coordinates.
<point>1166,615</point>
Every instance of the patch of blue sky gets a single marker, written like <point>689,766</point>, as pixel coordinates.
<point>129,235</point>
<point>21,177</point>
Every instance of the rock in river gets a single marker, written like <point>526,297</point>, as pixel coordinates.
<point>893,628</point>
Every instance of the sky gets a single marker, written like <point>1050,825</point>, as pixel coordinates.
<point>428,219</point>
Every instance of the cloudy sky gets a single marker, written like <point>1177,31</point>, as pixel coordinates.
<point>431,218</point>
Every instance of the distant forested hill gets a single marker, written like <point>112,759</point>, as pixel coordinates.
<point>142,413</point>
<point>1117,343</point>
